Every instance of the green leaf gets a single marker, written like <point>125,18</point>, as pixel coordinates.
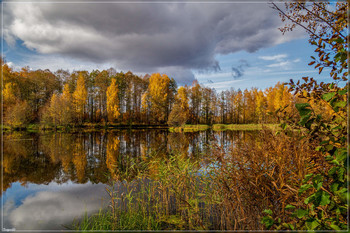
<point>304,187</point>
<point>303,108</point>
<point>267,211</point>
<point>341,172</point>
<point>311,224</point>
<point>300,213</point>
<point>322,198</point>
<point>335,227</point>
<point>288,207</point>
<point>317,181</point>
<point>336,162</point>
<point>307,177</point>
<point>328,96</point>
<point>332,171</point>
<point>317,178</point>
<point>340,104</point>
<point>341,155</point>
<point>309,199</point>
<point>304,120</point>
<point>343,190</point>
<point>288,225</point>
<point>338,40</point>
<point>342,92</point>
<point>337,57</point>
<point>267,221</point>
<point>318,185</point>
<point>334,187</point>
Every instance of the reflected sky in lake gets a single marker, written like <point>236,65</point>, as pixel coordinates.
<point>50,206</point>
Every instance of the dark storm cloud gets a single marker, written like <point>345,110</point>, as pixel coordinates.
<point>143,36</point>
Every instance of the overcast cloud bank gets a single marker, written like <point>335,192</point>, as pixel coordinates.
<point>142,37</point>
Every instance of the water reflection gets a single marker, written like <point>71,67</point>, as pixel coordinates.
<point>52,206</point>
<point>51,178</point>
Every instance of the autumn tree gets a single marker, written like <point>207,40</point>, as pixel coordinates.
<point>238,107</point>
<point>180,111</point>
<point>159,93</point>
<point>67,106</point>
<point>55,109</point>
<point>208,105</point>
<point>195,98</point>
<point>113,109</point>
<point>261,106</point>
<point>9,95</point>
<point>80,98</point>
<point>102,82</point>
<point>37,87</point>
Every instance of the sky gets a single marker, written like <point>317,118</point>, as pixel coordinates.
<point>221,44</point>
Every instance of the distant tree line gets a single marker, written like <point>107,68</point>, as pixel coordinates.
<point>64,98</point>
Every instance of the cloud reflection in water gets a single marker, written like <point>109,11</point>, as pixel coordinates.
<point>54,207</point>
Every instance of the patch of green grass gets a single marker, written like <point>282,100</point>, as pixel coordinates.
<point>222,127</point>
<point>125,220</point>
<point>100,221</point>
<point>189,128</point>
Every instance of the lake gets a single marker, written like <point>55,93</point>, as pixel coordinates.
<point>51,178</point>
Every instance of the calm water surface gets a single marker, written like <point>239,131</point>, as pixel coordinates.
<point>50,179</point>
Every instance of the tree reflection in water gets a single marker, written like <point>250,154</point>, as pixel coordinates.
<point>41,158</point>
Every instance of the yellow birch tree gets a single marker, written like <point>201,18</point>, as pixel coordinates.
<point>113,109</point>
<point>80,97</point>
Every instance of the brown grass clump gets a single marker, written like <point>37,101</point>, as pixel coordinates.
<point>260,173</point>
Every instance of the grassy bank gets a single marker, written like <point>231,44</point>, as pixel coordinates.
<point>222,127</point>
<point>189,128</point>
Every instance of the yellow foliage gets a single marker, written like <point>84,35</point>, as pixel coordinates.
<point>113,101</point>
<point>158,91</point>
<point>9,94</point>
<point>80,97</point>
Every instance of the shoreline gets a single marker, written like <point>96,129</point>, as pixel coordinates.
<point>96,127</point>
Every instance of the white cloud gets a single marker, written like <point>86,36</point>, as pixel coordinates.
<point>282,64</point>
<point>280,60</point>
<point>277,57</point>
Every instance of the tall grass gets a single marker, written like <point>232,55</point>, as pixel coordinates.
<point>262,173</point>
<point>223,190</point>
